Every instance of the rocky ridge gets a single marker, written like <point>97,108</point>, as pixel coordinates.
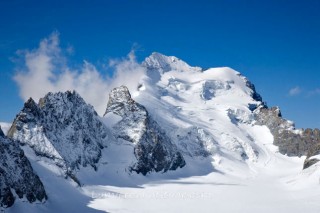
<point>62,127</point>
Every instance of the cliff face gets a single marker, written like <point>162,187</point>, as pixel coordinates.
<point>16,175</point>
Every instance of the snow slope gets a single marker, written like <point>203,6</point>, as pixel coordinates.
<point>272,186</point>
<point>204,111</point>
<point>63,194</point>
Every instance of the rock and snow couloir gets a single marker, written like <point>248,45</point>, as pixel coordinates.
<point>153,149</point>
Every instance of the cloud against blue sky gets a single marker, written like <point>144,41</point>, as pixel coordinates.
<point>314,92</point>
<point>45,69</point>
<point>295,91</point>
<point>274,43</point>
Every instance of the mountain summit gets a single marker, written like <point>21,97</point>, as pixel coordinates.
<point>162,63</point>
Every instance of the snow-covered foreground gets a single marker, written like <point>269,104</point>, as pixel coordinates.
<point>207,194</point>
<point>275,185</point>
<point>64,195</point>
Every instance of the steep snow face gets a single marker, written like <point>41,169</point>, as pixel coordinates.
<point>204,112</point>
<point>152,148</point>
<point>17,176</point>
<point>61,127</point>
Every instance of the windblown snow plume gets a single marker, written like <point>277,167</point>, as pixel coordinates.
<point>45,69</point>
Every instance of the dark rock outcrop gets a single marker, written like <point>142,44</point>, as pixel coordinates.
<point>16,175</point>
<point>152,148</point>
<point>290,141</point>
<point>254,94</point>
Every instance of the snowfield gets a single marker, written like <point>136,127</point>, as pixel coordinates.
<point>274,184</point>
<point>231,163</point>
<point>277,184</point>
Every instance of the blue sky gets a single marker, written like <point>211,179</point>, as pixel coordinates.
<point>274,43</point>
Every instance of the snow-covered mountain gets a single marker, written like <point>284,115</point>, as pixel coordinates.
<point>206,112</point>
<point>185,129</point>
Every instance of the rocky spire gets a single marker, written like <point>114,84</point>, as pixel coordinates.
<point>152,148</point>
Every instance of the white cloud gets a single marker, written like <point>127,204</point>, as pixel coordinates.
<point>314,92</point>
<point>127,72</point>
<point>294,91</point>
<point>45,70</point>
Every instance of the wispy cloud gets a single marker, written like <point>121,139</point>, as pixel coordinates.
<point>295,91</point>
<point>314,92</point>
<point>45,69</point>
